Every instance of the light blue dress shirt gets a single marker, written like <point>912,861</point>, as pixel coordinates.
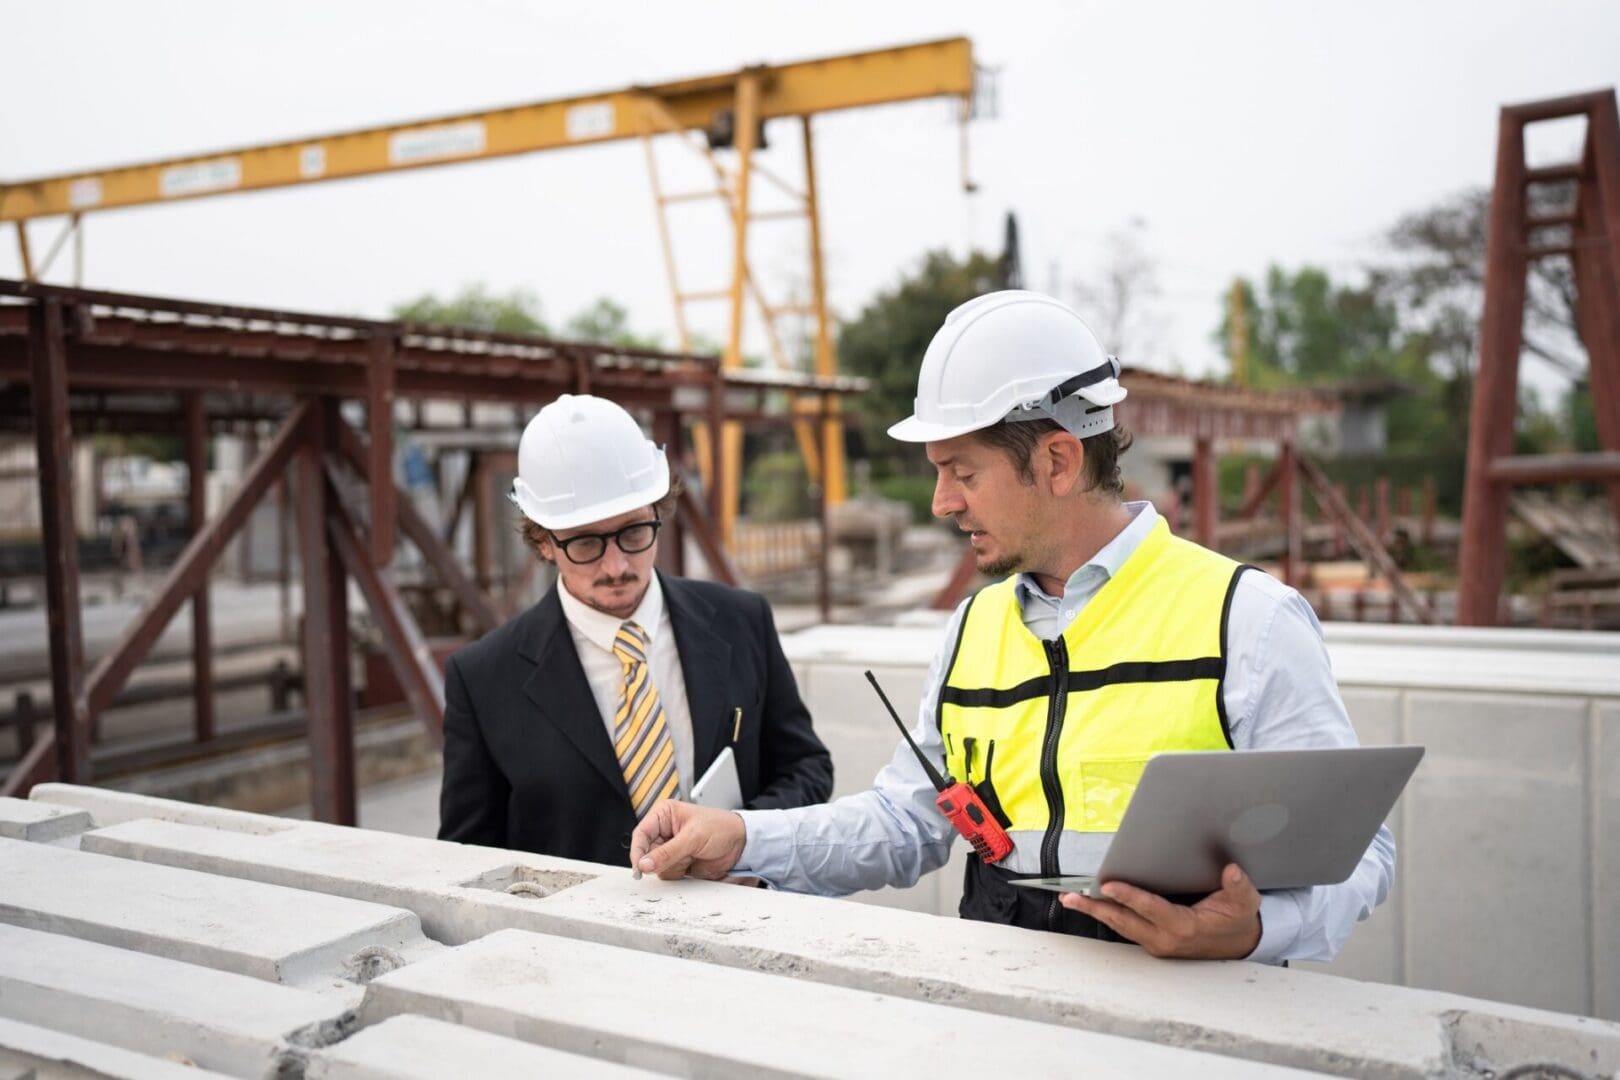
<point>1280,694</point>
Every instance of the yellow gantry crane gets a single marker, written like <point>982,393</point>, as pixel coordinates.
<point>710,113</point>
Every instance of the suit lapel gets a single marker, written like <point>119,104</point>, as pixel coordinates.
<point>705,661</point>
<point>559,691</point>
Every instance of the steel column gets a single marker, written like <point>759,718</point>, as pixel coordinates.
<point>380,421</point>
<point>1288,466</point>
<point>1205,496</point>
<point>53,443</point>
<point>202,637</point>
<point>329,703</point>
<point>672,539</point>
<point>745,127</point>
<point>1483,554</point>
<point>834,476</point>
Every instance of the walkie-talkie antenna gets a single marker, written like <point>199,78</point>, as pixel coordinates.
<point>940,783</point>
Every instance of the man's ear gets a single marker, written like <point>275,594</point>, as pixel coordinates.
<point>1065,458</point>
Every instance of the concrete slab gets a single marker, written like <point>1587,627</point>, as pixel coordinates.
<point>159,1006</point>
<point>1603,762</point>
<point>459,892</point>
<point>416,1048</point>
<point>1496,817</point>
<point>1265,1014</point>
<point>39,822</point>
<point>108,807</point>
<point>30,1052</point>
<point>270,933</point>
<point>618,1004</point>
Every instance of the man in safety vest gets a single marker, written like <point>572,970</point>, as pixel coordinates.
<point>1109,640</point>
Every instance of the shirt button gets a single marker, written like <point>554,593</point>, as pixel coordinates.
<point>624,841</point>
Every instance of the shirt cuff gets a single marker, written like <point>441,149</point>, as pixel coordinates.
<point>768,845</point>
<point>1280,922</point>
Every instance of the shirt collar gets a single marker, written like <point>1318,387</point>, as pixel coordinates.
<point>1108,560</point>
<point>600,628</point>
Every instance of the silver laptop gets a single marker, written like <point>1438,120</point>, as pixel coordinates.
<point>1290,818</point>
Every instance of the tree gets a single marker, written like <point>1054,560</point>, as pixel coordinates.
<point>1303,330</point>
<point>607,322</point>
<point>886,342</point>
<point>476,308</point>
<point>1436,279</point>
<point>1116,300</point>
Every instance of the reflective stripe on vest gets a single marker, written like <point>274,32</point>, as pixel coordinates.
<point>1141,669</point>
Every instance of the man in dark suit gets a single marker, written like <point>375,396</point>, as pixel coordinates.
<point>619,689</point>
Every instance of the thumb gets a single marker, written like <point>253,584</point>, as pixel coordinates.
<point>671,858</point>
<point>1236,882</point>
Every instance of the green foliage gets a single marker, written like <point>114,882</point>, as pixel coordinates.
<point>917,492</point>
<point>777,488</point>
<point>1303,330</point>
<point>886,342</point>
<point>476,308</point>
<point>607,322</point>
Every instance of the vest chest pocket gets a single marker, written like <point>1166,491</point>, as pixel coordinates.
<point>1106,785</point>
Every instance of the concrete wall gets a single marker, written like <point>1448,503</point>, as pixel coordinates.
<point>257,946</point>
<point>1508,879</point>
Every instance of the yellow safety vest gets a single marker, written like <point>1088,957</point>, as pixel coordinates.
<point>1055,735</point>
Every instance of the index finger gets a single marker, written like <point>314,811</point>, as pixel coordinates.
<point>670,859</point>
<point>655,829</point>
<point>1151,906</point>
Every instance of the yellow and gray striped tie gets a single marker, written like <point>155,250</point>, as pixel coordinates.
<point>640,736</point>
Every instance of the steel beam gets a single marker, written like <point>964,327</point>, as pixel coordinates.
<point>1364,540</point>
<point>1603,467</point>
<point>708,541</point>
<point>53,444</point>
<point>419,532</point>
<point>329,702</point>
<point>191,568</point>
<point>202,637</point>
<point>406,650</point>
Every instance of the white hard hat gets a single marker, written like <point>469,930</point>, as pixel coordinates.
<point>1012,355</point>
<point>584,459</point>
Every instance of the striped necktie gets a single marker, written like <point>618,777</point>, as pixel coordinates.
<point>641,738</point>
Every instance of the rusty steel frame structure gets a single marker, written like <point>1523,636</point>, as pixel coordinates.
<point>97,361</point>
<point>1588,234</point>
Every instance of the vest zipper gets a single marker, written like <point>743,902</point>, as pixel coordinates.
<point>1057,654</point>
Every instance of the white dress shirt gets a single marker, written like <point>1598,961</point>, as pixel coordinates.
<point>1279,692</point>
<point>593,632</point>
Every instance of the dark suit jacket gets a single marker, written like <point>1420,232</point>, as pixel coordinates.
<point>527,759</point>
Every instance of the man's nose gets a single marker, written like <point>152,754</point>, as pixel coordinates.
<point>614,562</point>
<point>947,499</point>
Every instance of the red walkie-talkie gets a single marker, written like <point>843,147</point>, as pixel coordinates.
<point>959,803</point>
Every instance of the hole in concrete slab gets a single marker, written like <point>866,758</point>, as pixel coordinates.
<point>526,881</point>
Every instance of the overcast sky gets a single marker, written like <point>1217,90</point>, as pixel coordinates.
<point>1236,134</point>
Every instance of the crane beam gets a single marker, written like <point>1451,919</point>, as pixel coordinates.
<point>908,72</point>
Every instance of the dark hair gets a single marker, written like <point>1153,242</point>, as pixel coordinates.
<point>1018,440</point>
<point>534,534</point>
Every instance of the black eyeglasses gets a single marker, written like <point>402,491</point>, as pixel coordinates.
<point>633,539</point>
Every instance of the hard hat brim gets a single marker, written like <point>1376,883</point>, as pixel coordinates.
<point>573,519</point>
<point>915,430</point>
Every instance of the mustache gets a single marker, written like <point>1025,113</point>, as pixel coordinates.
<point>610,582</point>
